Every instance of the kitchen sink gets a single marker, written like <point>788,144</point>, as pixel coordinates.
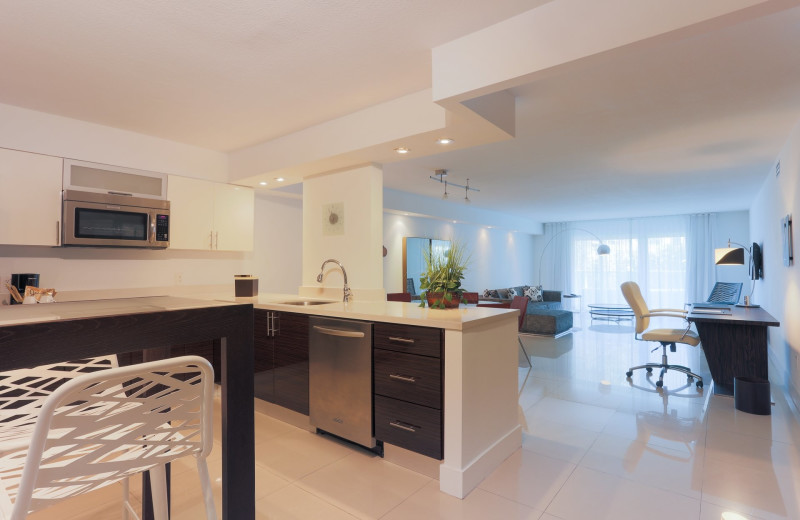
<point>306,302</point>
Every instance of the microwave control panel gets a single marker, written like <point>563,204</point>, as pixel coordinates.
<point>162,228</point>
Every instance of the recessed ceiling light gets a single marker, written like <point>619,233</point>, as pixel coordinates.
<point>444,140</point>
<point>402,150</point>
<point>263,183</point>
<point>489,227</point>
<point>279,179</point>
<point>455,222</point>
<point>406,214</point>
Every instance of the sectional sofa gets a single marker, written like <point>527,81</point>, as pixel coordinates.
<point>545,316</point>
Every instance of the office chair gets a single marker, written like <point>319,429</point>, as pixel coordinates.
<point>667,337</point>
<point>726,293</point>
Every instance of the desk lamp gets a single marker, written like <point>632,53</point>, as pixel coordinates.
<point>735,256</point>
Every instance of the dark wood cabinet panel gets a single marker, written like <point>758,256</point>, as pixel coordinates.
<point>264,356</point>
<point>291,362</point>
<point>424,341</point>
<point>207,349</point>
<point>412,378</point>
<point>411,426</point>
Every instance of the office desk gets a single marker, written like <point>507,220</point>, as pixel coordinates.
<point>33,335</point>
<point>735,345</point>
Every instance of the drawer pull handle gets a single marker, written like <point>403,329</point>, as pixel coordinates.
<point>407,379</point>
<point>401,340</point>
<point>402,426</point>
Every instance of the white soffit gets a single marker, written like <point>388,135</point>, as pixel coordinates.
<point>471,76</point>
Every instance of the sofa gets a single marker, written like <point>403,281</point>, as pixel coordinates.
<point>545,316</point>
<point>550,299</point>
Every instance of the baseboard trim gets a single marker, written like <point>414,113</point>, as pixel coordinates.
<point>789,391</point>
<point>459,482</point>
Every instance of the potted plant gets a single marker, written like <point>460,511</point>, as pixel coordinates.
<point>441,281</point>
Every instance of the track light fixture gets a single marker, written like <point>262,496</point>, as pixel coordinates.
<point>439,176</point>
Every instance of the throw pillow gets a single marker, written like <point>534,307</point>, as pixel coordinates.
<point>490,293</point>
<point>503,294</point>
<point>512,292</point>
<point>534,293</point>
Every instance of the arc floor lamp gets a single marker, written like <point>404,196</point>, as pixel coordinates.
<point>602,249</point>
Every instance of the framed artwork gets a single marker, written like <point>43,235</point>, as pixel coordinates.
<point>786,233</point>
<point>333,219</point>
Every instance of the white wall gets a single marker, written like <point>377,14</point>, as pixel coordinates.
<point>498,258</point>
<point>779,291</point>
<point>358,247</point>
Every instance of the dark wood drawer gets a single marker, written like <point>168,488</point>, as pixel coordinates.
<point>417,379</point>
<point>425,341</point>
<point>410,426</point>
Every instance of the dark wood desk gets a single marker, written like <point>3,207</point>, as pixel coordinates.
<point>62,331</point>
<point>735,345</point>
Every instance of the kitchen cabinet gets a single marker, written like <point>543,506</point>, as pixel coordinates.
<point>408,378</point>
<point>210,215</point>
<point>31,206</point>
<point>281,358</point>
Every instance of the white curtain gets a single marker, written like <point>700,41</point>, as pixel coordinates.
<point>650,251</point>
<point>700,273</point>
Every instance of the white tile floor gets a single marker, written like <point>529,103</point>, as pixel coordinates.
<point>594,446</point>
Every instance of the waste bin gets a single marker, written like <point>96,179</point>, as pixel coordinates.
<point>752,395</point>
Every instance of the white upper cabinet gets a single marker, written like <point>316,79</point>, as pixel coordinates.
<point>30,210</point>
<point>210,215</point>
<point>234,214</point>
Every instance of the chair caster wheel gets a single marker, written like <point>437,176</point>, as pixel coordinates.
<point>649,370</point>
<point>629,373</point>
<point>659,383</point>
<point>699,384</point>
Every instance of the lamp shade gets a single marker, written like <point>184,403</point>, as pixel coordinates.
<point>729,256</point>
<point>603,249</point>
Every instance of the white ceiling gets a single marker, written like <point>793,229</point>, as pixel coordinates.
<point>682,126</point>
<point>225,74</point>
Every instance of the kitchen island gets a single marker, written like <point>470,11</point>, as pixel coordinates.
<point>479,364</point>
<point>480,377</point>
<point>32,335</point>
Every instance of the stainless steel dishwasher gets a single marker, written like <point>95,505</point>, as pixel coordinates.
<point>340,378</point>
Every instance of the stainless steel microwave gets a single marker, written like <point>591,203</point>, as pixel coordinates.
<point>99,219</point>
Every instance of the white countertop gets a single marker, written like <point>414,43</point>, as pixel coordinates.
<point>21,314</point>
<point>463,318</point>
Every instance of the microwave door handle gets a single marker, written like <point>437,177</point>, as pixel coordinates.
<point>152,229</point>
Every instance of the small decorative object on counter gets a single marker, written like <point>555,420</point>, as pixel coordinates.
<point>37,295</point>
<point>245,285</point>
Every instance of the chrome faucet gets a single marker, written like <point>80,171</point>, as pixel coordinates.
<point>346,287</point>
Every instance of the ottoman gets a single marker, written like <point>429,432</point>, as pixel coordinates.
<point>550,322</point>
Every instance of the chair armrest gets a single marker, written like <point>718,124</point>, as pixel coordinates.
<point>664,315</point>
<point>682,311</point>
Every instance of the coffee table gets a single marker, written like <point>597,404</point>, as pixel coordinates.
<point>610,311</point>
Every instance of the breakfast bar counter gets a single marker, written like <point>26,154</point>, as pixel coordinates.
<point>32,335</point>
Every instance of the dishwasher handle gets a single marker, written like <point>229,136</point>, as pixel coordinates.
<point>339,332</point>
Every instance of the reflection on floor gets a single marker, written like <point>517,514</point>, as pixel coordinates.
<point>595,446</point>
